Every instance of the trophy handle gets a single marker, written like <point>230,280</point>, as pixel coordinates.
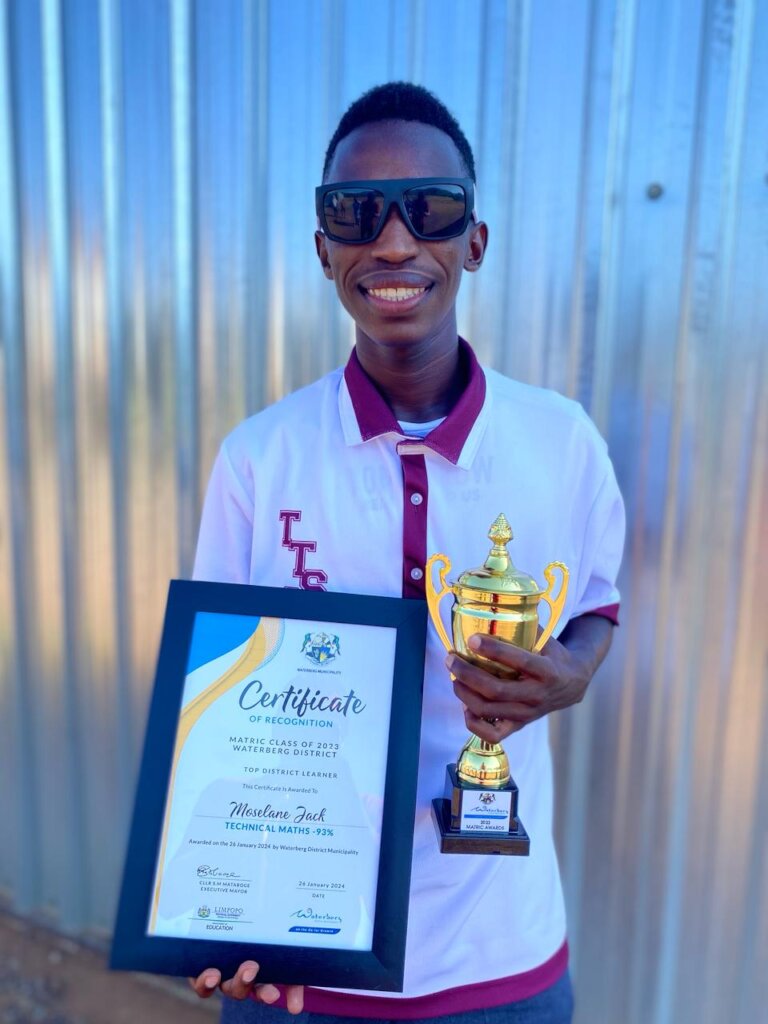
<point>555,604</point>
<point>434,597</point>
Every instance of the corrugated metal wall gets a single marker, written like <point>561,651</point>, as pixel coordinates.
<point>158,282</point>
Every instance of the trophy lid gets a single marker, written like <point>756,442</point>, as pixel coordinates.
<point>498,575</point>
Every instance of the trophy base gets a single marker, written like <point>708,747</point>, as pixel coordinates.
<point>515,844</point>
<point>479,819</point>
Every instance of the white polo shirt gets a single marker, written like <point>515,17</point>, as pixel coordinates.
<point>323,491</point>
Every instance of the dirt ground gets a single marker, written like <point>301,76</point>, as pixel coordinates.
<point>48,979</point>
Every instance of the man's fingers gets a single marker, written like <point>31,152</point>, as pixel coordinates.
<point>514,711</point>
<point>505,653</point>
<point>493,731</point>
<point>294,998</point>
<point>482,683</point>
<point>241,986</point>
<point>205,984</point>
<point>267,993</point>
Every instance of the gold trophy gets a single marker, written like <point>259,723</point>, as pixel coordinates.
<point>478,813</point>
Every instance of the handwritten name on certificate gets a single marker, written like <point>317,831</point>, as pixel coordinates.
<point>273,818</point>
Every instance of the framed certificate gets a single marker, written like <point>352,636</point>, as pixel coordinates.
<point>275,804</point>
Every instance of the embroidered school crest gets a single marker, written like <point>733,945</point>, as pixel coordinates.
<point>321,647</point>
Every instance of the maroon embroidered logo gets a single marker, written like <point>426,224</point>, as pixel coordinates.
<point>309,579</point>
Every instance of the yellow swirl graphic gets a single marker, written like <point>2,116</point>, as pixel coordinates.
<point>259,649</point>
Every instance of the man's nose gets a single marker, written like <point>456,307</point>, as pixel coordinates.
<point>395,243</point>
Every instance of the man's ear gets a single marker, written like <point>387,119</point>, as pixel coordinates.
<point>478,241</point>
<point>322,254</point>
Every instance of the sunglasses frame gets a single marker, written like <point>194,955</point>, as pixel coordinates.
<point>393,190</point>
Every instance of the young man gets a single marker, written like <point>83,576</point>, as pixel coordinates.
<point>351,483</point>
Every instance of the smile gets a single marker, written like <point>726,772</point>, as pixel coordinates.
<point>395,294</point>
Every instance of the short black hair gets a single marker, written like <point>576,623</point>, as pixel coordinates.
<point>401,101</point>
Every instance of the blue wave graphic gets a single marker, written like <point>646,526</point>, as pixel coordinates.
<point>217,633</point>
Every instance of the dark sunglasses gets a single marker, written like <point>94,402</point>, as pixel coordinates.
<point>354,212</point>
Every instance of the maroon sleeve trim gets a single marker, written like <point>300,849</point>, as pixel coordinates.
<point>607,611</point>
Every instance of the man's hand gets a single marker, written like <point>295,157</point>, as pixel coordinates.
<point>526,686</point>
<point>242,986</point>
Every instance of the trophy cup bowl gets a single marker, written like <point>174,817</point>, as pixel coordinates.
<point>478,813</point>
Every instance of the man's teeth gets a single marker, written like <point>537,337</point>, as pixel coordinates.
<point>396,294</point>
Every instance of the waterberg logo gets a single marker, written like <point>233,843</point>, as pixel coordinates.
<point>321,648</point>
<point>203,911</point>
<point>317,924</point>
<point>310,915</point>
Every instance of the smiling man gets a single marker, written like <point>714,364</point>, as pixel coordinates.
<point>414,448</point>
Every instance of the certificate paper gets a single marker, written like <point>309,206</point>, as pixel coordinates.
<point>274,818</point>
<point>274,810</point>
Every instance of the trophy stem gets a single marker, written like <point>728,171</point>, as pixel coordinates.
<point>481,763</point>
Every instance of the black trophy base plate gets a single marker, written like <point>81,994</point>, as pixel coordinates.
<point>512,844</point>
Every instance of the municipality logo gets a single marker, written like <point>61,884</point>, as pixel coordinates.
<point>488,798</point>
<point>321,648</point>
<point>314,923</point>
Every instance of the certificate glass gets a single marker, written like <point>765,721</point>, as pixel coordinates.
<point>274,813</point>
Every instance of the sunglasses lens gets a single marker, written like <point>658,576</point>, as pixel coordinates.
<point>436,211</point>
<point>352,214</point>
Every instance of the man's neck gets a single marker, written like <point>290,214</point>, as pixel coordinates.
<point>420,381</point>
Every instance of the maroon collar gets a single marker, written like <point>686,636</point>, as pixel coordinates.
<point>374,416</point>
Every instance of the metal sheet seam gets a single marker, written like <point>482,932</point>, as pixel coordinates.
<point>752,614</point>
<point>112,157</point>
<point>74,857</point>
<point>26,866</point>
<point>676,840</point>
<point>184,295</point>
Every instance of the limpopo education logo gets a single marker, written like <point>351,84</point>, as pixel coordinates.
<point>321,648</point>
<point>203,911</point>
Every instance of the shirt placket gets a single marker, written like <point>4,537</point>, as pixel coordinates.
<point>415,500</point>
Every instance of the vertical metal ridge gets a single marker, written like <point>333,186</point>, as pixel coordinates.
<point>510,155</point>
<point>276,326</point>
<point>416,42</point>
<point>612,219</point>
<point>576,316</point>
<point>664,615</point>
<point>26,867</point>
<point>483,91</point>
<point>688,660</point>
<point>741,792</point>
<point>184,290</point>
<point>731,856</point>
<point>748,663</point>
<point>512,300</point>
<point>257,263</point>
<point>112,159</point>
<point>582,725</point>
<point>74,897</point>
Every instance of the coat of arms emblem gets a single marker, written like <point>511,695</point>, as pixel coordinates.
<point>321,647</point>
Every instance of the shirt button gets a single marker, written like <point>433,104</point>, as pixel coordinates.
<point>416,574</point>
<point>416,498</point>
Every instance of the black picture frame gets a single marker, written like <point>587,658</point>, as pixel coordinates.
<point>382,967</point>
